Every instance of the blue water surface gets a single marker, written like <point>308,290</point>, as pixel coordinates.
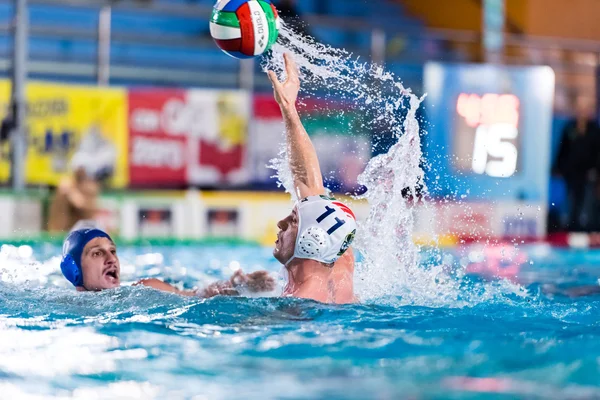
<point>135,342</point>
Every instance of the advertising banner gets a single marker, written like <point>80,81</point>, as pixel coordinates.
<point>267,136</point>
<point>222,222</point>
<point>219,137</point>
<point>157,146</point>
<point>480,221</point>
<point>64,120</point>
<point>155,222</point>
<point>196,137</point>
<point>342,143</point>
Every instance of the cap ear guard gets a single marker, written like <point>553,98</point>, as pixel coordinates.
<point>312,243</point>
<point>71,271</point>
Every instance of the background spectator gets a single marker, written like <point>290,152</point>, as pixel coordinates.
<point>75,200</point>
<point>596,192</point>
<point>576,160</point>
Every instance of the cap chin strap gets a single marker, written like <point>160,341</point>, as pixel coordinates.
<point>284,277</point>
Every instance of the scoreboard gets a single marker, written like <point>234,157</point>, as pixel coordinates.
<point>489,131</point>
<point>487,134</point>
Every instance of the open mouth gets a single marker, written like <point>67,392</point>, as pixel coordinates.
<point>112,274</point>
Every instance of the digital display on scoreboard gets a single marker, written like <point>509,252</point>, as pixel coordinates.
<point>486,138</point>
<point>489,131</point>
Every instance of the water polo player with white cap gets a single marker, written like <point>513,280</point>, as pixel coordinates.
<point>313,240</point>
<point>326,228</point>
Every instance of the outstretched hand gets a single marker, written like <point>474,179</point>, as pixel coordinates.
<point>286,92</point>
<point>255,282</point>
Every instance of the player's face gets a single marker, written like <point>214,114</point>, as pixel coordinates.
<point>286,237</point>
<point>100,265</point>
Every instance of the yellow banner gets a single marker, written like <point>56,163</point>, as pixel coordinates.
<point>64,121</point>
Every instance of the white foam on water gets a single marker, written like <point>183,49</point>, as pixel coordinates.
<point>391,261</point>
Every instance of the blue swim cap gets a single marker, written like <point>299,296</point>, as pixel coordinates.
<point>73,250</point>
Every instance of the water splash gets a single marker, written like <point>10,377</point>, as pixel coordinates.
<point>334,74</point>
<point>283,174</point>
<point>391,264</point>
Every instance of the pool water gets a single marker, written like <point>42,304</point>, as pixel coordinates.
<point>135,342</point>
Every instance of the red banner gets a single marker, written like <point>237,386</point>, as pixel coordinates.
<point>187,137</point>
<point>157,148</point>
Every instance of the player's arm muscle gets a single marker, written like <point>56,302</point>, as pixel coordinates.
<point>304,164</point>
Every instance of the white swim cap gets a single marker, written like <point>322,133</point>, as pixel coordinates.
<point>326,228</point>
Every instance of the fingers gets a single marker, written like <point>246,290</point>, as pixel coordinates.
<point>238,278</point>
<point>269,284</point>
<point>291,69</point>
<point>260,281</point>
<point>238,272</point>
<point>274,80</point>
<point>290,66</point>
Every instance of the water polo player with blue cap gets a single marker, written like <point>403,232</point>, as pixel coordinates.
<point>90,263</point>
<point>313,241</point>
<point>90,260</point>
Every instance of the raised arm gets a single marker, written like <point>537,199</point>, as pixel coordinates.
<point>304,163</point>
